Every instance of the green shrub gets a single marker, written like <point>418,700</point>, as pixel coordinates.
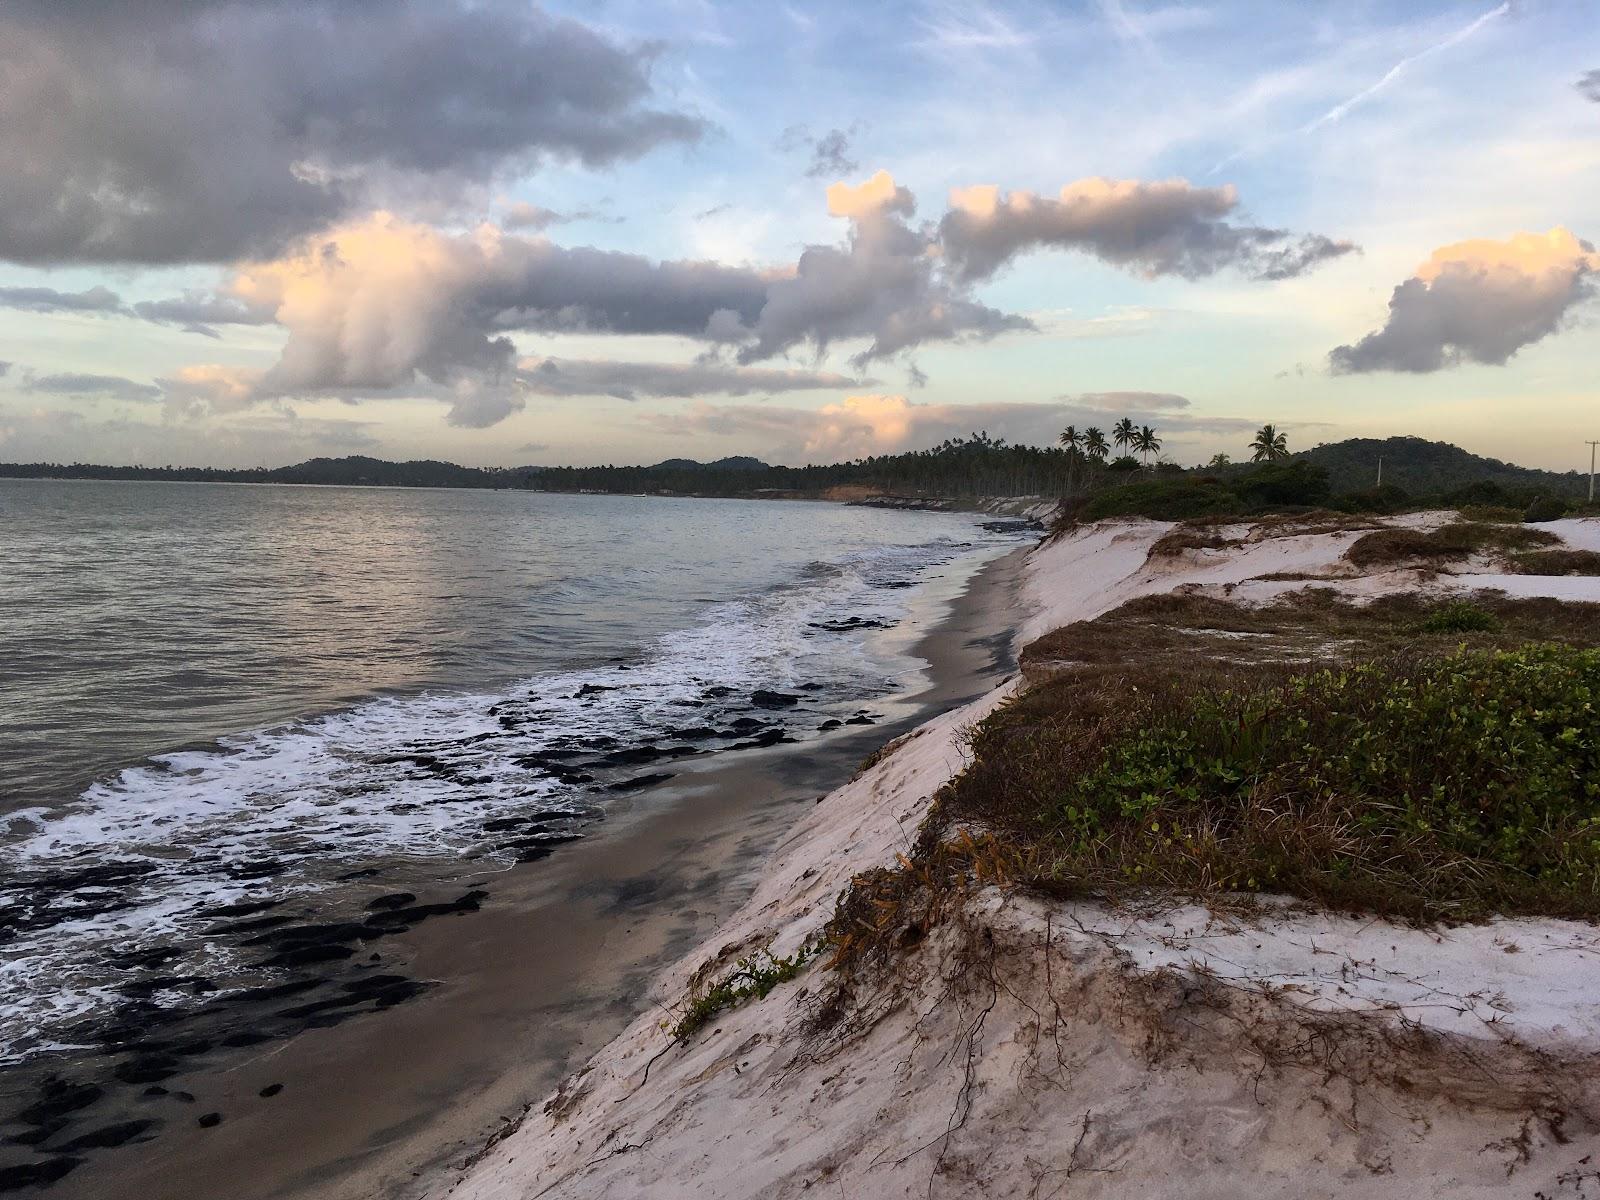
<point>1299,482</point>
<point>1459,616</point>
<point>1545,508</point>
<point>1164,500</point>
<point>1385,499</point>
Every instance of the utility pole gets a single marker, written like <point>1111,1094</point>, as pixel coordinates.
<point>1592,445</point>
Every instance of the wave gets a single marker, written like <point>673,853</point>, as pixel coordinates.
<point>130,880</point>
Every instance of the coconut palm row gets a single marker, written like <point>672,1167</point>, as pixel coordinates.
<point>1092,442</point>
<point>1268,445</point>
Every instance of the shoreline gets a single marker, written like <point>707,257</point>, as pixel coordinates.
<point>558,962</point>
<point>1027,1045</point>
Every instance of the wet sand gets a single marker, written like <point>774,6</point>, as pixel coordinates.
<point>555,965</point>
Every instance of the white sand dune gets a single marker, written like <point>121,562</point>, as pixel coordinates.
<point>1037,1049</point>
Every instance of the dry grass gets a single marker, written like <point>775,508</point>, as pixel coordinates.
<point>1557,562</point>
<point>1450,543</point>
<point>1181,540</point>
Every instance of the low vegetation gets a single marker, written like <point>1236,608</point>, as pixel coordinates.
<point>1449,543</point>
<point>1557,562</point>
<point>751,978</point>
<point>1416,759</point>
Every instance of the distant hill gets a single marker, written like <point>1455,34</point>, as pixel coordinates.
<point>358,469</point>
<point>961,468</point>
<point>1426,468</point>
<point>738,462</point>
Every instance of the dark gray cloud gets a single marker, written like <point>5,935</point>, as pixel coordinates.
<point>1589,85</point>
<point>1477,302</point>
<point>197,312</point>
<point>194,311</point>
<point>631,380</point>
<point>830,156</point>
<point>111,387</point>
<point>830,153</point>
<point>169,131</point>
<point>1164,228</point>
<point>49,300</point>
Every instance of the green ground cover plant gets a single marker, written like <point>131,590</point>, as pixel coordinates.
<point>751,978</point>
<point>1417,759</point>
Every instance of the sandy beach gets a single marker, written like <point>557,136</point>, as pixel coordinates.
<point>1030,1048</point>
<point>558,962</point>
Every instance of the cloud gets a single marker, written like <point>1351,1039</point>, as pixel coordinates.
<point>382,302</point>
<point>830,153</point>
<point>1589,85</point>
<point>1129,402</point>
<point>49,300</point>
<point>44,434</point>
<point>1162,228</point>
<point>530,216</point>
<point>5,369</point>
<point>1338,111</point>
<point>631,380</point>
<point>882,285</point>
<point>874,424</point>
<point>211,130</point>
<point>111,387</point>
<point>1477,301</point>
<point>197,311</point>
<point>207,389</point>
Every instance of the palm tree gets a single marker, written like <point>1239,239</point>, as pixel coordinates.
<point>1269,445</point>
<point>1123,433</point>
<point>1071,438</point>
<point>1146,443</point>
<point>1095,444</point>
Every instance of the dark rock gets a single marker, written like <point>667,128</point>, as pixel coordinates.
<point>693,733</point>
<point>155,1089</point>
<point>210,1121</point>
<point>830,724</point>
<point>592,689</point>
<point>638,782</point>
<point>59,1098</point>
<point>39,1133</point>
<point>275,991</point>
<point>862,720</point>
<point>243,909</point>
<point>254,926</point>
<point>108,1136</point>
<point>36,1174</point>
<point>499,824</point>
<point>149,1068</point>
<point>392,900</point>
<point>246,1038</point>
<point>306,955</point>
<point>271,1090</point>
<point>762,698</point>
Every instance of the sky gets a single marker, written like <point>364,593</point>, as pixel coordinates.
<point>249,232</point>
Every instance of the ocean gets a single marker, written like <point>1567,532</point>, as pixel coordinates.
<point>216,700</point>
